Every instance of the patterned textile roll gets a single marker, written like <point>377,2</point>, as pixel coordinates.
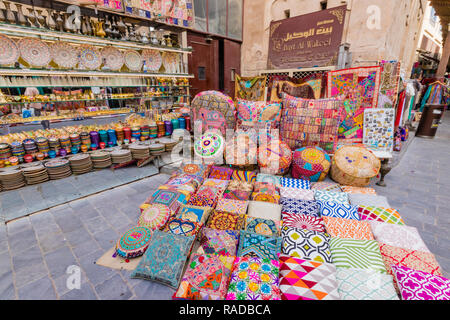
<point>127,133</point>
<point>182,123</point>
<point>95,139</point>
<point>112,138</point>
<point>168,127</point>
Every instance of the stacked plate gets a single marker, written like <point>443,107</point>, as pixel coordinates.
<point>58,169</point>
<point>101,159</point>
<point>5,151</point>
<point>35,174</point>
<point>157,149</point>
<point>168,143</point>
<point>81,163</point>
<point>11,178</point>
<point>121,156</point>
<point>139,151</point>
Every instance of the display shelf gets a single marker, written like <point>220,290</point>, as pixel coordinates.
<point>90,86</point>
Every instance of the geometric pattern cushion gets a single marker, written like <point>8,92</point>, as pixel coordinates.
<point>326,186</point>
<point>338,210</point>
<point>303,221</point>
<point>232,206</point>
<point>357,254</point>
<point>388,215</point>
<point>306,244</point>
<point>354,284</point>
<point>418,285</point>
<point>418,260</point>
<point>339,197</point>
<point>182,227</point>
<point>257,245</point>
<point>351,189</point>
<point>398,236</point>
<point>225,221</point>
<point>299,194</point>
<point>155,216</point>
<point>370,200</point>
<point>348,228</point>
<point>307,280</point>
<point>295,206</point>
<point>172,199</point>
<point>221,242</point>
<point>295,183</point>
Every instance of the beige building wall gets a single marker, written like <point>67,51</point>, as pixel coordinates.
<point>375,30</point>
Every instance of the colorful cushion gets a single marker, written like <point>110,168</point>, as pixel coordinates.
<point>306,244</point>
<point>366,284</point>
<point>202,201</point>
<point>194,213</point>
<point>206,278</point>
<point>257,245</point>
<point>182,227</point>
<point>164,259</point>
<point>221,242</point>
<point>295,183</point>
<point>220,173</point>
<point>265,187</point>
<point>398,236</point>
<point>363,190</point>
<point>155,216</point>
<point>240,185</point>
<point>303,221</point>
<point>389,215</point>
<point>419,285</point>
<point>265,197</point>
<point>265,227</point>
<point>253,278</point>
<point>338,197</point>
<point>184,182</point>
<point>209,147</point>
<point>134,242</point>
<point>269,178</point>
<point>370,200</point>
<point>418,260</point>
<point>226,221</point>
<point>217,184</point>
<point>357,254</point>
<point>252,113</point>
<point>241,175</point>
<point>307,280</point>
<point>237,195</point>
<point>348,228</point>
<point>326,186</point>
<point>310,163</point>
<point>265,210</point>
<point>338,210</point>
<point>293,193</point>
<point>195,169</point>
<point>274,156</point>
<point>308,207</point>
<point>241,149</point>
<point>232,206</point>
<point>172,199</point>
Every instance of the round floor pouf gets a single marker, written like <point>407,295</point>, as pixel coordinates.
<point>209,147</point>
<point>134,242</point>
<point>310,163</point>
<point>155,216</point>
<point>354,166</point>
<point>275,157</point>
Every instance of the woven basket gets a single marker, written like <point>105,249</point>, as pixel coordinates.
<point>354,166</point>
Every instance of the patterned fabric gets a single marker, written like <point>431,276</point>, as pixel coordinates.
<point>265,210</point>
<point>363,190</point>
<point>182,227</point>
<point>200,170</point>
<point>194,213</point>
<point>357,254</point>
<point>274,156</point>
<point>257,245</point>
<point>155,216</point>
<point>418,285</point>
<point>232,206</point>
<point>307,280</point>
<point>250,88</point>
<point>310,163</point>
<point>241,175</point>
<point>356,284</point>
<point>418,260</point>
<point>338,197</point>
<point>265,197</point>
<point>306,244</point>
<point>389,79</point>
<point>265,187</point>
<point>265,227</point>
<point>398,236</point>
<point>338,210</point>
<point>299,194</point>
<point>326,186</point>
<point>258,116</point>
<point>206,278</point>
<point>388,215</point>
<point>217,184</point>
<point>303,221</point>
<point>237,195</point>
<point>295,183</point>
<point>221,242</point>
<point>269,178</point>
<point>253,278</point>
<point>220,173</point>
<point>202,201</point>
<point>172,199</point>
<point>370,200</point>
<point>310,122</point>
<point>226,221</point>
<point>348,228</point>
<point>164,259</point>
<point>240,185</point>
<point>293,206</point>
<point>181,182</point>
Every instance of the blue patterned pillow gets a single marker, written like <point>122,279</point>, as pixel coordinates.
<point>308,207</point>
<point>164,259</point>
<point>257,245</point>
<point>328,196</point>
<point>295,183</point>
<point>338,210</point>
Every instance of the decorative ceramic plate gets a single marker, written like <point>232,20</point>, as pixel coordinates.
<point>133,60</point>
<point>152,59</point>
<point>35,52</point>
<point>57,163</point>
<point>170,60</point>
<point>113,58</point>
<point>90,57</point>
<point>9,51</point>
<point>64,55</point>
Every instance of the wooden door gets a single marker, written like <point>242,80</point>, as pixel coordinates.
<point>231,65</point>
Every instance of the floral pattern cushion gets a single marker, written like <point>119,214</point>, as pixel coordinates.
<point>348,228</point>
<point>299,194</point>
<point>338,210</point>
<point>303,221</point>
<point>265,197</point>
<point>307,207</point>
<point>220,173</point>
<point>221,242</point>
<point>389,215</point>
<point>257,245</point>
<point>265,210</point>
<point>266,187</point>
<point>195,169</point>
<point>240,185</point>
<point>226,221</point>
<point>328,196</point>
<point>202,201</point>
<point>232,206</point>
<point>194,213</point>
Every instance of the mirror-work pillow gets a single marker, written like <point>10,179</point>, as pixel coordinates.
<point>338,210</point>
<point>257,245</point>
<point>221,242</point>
<point>339,197</point>
<point>303,221</point>
<point>307,207</point>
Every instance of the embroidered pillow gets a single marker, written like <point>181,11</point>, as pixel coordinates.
<point>237,195</point>
<point>299,194</point>
<point>241,175</point>
<point>182,227</point>
<point>338,210</point>
<point>172,199</point>
<point>389,215</point>
<point>293,206</point>
<point>226,221</point>
<point>253,278</point>
<point>326,186</point>
<point>265,210</point>
<point>220,173</point>
<point>359,199</point>
<point>200,170</point>
<point>306,244</point>
<point>232,206</point>
<point>257,245</point>
<point>303,221</point>
<point>266,187</point>
<point>328,196</point>
<point>194,213</point>
<point>295,183</point>
<point>240,185</point>
<point>202,201</point>
<point>419,285</point>
<point>206,278</point>
<point>155,216</point>
<point>216,185</point>
<point>164,259</point>
<point>307,280</point>
<point>265,197</point>
<point>269,178</point>
<point>348,228</point>
<point>221,242</point>
<point>351,189</point>
<point>265,227</point>
<point>184,182</point>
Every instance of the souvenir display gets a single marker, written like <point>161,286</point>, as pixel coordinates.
<point>170,61</point>
<point>112,58</point>
<point>90,57</point>
<point>132,60</point>
<point>152,59</point>
<point>64,55</point>
<point>35,52</point>
<point>9,51</point>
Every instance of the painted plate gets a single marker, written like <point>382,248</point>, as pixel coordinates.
<point>90,57</point>
<point>34,52</point>
<point>113,58</point>
<point>64,55</point>
<point>133,60</point>
<point>152,59</point>
<point>9,51</point>
<point>170,60</point>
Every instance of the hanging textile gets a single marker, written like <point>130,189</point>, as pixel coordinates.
<point>389,80</point>
<point>252,88</point>
<point>400,106</point>
<point>303,90</point>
